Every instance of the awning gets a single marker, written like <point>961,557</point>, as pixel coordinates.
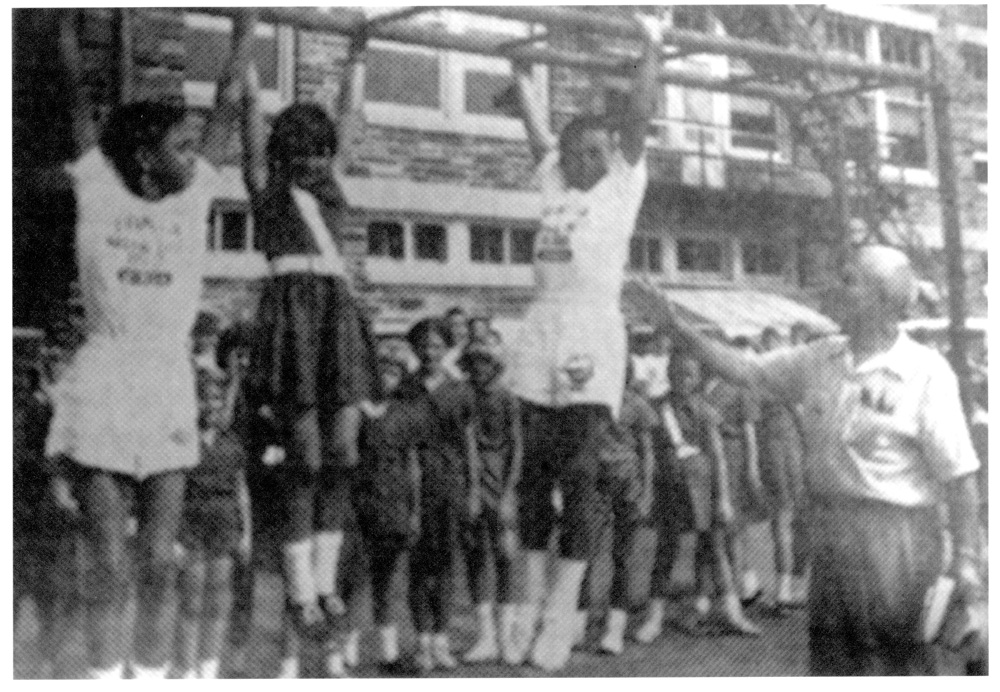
<point>737,312</point>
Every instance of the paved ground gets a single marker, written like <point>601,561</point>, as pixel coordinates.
<point>780,651</point>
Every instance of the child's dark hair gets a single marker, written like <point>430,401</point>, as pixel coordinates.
<point>575,128</point>
<point>236,336</point>
<point>132,126</point>
<point>302,129</point>
<point>420,332</point>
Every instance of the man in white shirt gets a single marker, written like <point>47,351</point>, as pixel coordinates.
<point>567,362</point>
<point>886,444</point>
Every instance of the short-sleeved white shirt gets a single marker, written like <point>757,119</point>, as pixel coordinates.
<point>572,345</point>
<point>126,402</point>
<point>888,429</point>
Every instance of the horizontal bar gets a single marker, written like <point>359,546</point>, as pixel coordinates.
<point>568,18</point>
<point>344,21</point>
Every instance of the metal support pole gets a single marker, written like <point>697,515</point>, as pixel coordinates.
<point>951,223</point>
<point>839,197</point>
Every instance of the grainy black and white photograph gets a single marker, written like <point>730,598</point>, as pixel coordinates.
<point>500,341</point>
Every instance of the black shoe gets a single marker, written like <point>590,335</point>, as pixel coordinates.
<point>309,621</point>
<point>400,668</point>
<point>334,612</point>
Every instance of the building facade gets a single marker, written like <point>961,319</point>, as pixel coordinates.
<point>442,207</point>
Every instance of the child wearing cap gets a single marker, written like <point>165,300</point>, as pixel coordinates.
<point>496,451</point>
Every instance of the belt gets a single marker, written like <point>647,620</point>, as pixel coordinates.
<point>307,264</point>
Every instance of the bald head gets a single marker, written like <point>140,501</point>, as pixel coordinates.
<point>889,271</point>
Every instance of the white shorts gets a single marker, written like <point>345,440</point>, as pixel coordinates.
<point>570,354</point>
<point>127,408</point>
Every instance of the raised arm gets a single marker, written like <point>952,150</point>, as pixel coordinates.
<point>84,129</point>
<point>535,119</point>
<point>252,133</point>
<point>731,364</point>
<point>642,105</point>
<point>215,138</point>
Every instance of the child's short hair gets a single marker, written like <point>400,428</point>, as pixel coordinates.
<point>131,126</point>
<point>236,336</point>
<point>302,129</point>
<point>484,351</point>
<point>420,332</point>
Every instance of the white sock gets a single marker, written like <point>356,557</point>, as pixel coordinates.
<point>534,564</point>
<point>487,626</point>
<point>297,557</point>
<point>209,669</point>
<point>115,672</point>
<point>554,644</point>
<point>751,584</point>
<point>351,648</point>
<point>326,557</point>
<point>390,643</point>
<point>784,588</point>
<point>702,604</point>
<point>144,673</point>
<point>289,668</point>
<point>614,635</point>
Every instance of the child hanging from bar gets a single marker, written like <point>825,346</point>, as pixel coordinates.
<point>316,353</point>
<point>214,527</point>
<point>495,440</point>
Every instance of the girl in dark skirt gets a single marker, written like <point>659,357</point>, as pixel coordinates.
<point>316,355</point>
<point>445,495</point>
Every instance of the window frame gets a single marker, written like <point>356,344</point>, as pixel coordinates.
<point>201,94</point>
<point>726,274</point>
<point>386,221</point>
<point>644,241</point>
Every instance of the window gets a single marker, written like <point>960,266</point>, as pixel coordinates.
<point>704,256</point>
<point>430,242</point>
<point>845,35</point>
<point>646,254</point>
<point>486,244</point>
<point>903,46</point>
<point>763,259</point>
<point>403,77</point>
<point>906,136</point>
<point>753,123</point>
<point>974,61</point>
<point>428,89</point>
<point>522,245</point>
<point>980,167</point>
<point>385,239</point>
<point>207,48</point>
<point>230,228</point>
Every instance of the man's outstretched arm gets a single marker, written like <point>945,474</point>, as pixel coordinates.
<point>540,138</point>
<point>642,105</point>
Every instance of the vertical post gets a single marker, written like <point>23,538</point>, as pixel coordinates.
<point>950,222</point>
<point>839,197</point>
<point>125,86</point>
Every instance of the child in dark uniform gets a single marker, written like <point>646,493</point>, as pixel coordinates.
<point>446,494</point>
<point>44,534</point>
<point>387,490</point>
<point>214,524</point>
<point>496,450</point>
<point>626,483</point>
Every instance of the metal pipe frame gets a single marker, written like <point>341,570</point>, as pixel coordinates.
<point>349,22</point>
<point>568,18</point>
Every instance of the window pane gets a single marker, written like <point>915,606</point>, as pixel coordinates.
<point>654,255</point>
<point>481,88</point>
<point>402,77</point>
<point>207,51</point>
<point>907,146</point>
<point>430,242</point>
<point>698,106</point>
<point>522,245</point>
<point>902,46</point>
<point>766,259</point>
<point>234,230</point>
<point>385,239</point>
<point>635,255</point>
<point>980,170</point>
<point>700,256</point>
<point>486,244</point>
<point>974,61</point>
<point>753,123</point>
